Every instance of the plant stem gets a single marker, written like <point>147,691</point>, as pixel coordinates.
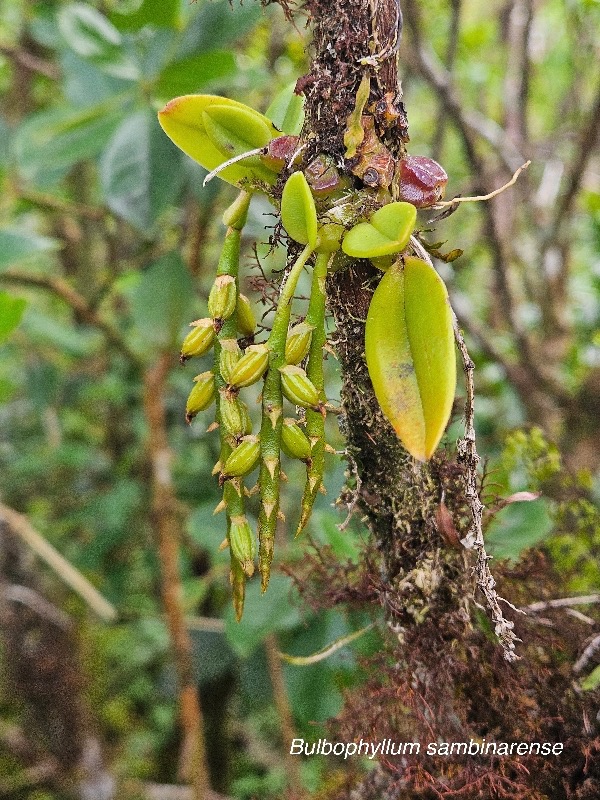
<point>272,422</point>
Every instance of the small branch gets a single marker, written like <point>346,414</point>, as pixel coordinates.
<point>30,61</point>
<point>516,81</point>
<point>21,526</point>
<point>38,604</point>
<point>467,453</point>
<point>587,655</point>
<point>562,602</point>
<point>481,197</point>
<point>284,712</point>
<point>193,765</point>
<point>78,303</point>
<point>49,202</point>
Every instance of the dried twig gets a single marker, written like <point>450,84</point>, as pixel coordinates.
<point>587,655</point>
<point>562,602</point>
<point>78,303</point>
<point>21,526</point>
<point>489,196</point>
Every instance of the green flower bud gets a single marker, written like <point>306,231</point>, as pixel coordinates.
<point>298,388</point>
<point>246,321</point>
<point>242,459</point>
<point>201,395</point>
<point>235,418</point>
<point>230,355</point>
<point>298,343</point>
<point>242,543</point>
<point>294,441</point>
<point>223,297</point>
<point>199,340</point>
<point>251,366</point>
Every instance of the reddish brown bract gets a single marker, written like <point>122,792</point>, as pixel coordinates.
<point>421,181</point>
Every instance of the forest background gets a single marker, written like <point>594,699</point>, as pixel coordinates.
<point>108,243</point>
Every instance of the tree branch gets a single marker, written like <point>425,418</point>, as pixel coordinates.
<point>194,764</point>
<point>78,303</point>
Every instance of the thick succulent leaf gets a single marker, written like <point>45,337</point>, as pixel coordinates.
<point>365,241</point>
<point>298,212</point>
<point>235,130</point>
<point>409,345</point>
<point>183,120</point>
<point>396,221</point>
<point>388,231</point>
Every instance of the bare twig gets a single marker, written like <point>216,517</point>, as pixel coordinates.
<point>284,712</point>
<point>489,196</point>
<point>516,80</point>
<point>30,61</point>
<point>21,526</point>
<point>587,655</point>
<point>78,303</point>
<point>194,765</point>
<point>562,602</point>
<point>27,596</point>
<point>467,453</point>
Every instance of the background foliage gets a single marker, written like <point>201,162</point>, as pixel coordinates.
<point>107,248</point>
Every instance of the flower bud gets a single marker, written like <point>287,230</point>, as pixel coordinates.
<point>223,297</point>
<point>298,342</point>
<point>230,355</point>
<point>294,441</point>
<point>251,366</point>
<point>242,459</point>
<point>298,388</point>
<point>199,340</point>
<point>242,543</point>
<point>246,321</point>
<point>235,418</point>
<point>201,395</point>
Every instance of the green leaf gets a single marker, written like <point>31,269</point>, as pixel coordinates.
<point>11,313</point>
<point>195,72</point>
<point>215,25</point>
<point>518,527</point>
<point>141,172</point>
<point>235,130</point>
<point>263,614</point>
<point>409,346</point>
<point>183,120</point>
<point>388,231</point>
<point>591,681</point>
<point>95,39</point>
<point>161,303</point>
<point>298,212</point>
<point>287,110</point>
<point>19,245</point>
<point>158,13</point>
<point>53,141</point>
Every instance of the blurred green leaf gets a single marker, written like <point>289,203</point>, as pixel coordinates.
<point>141,171</point>
<point>591,681</point>
<point>18,245</point>
<point>518,527</point>
<point>263,614</point>
<point>95,39</point>
<point>217,24</point>
<point>46,329</point>
<point>193,73</point>
<point>159,13</point>
<point>161,303</point>
<point>11,313</point>
<point>50,142</point>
